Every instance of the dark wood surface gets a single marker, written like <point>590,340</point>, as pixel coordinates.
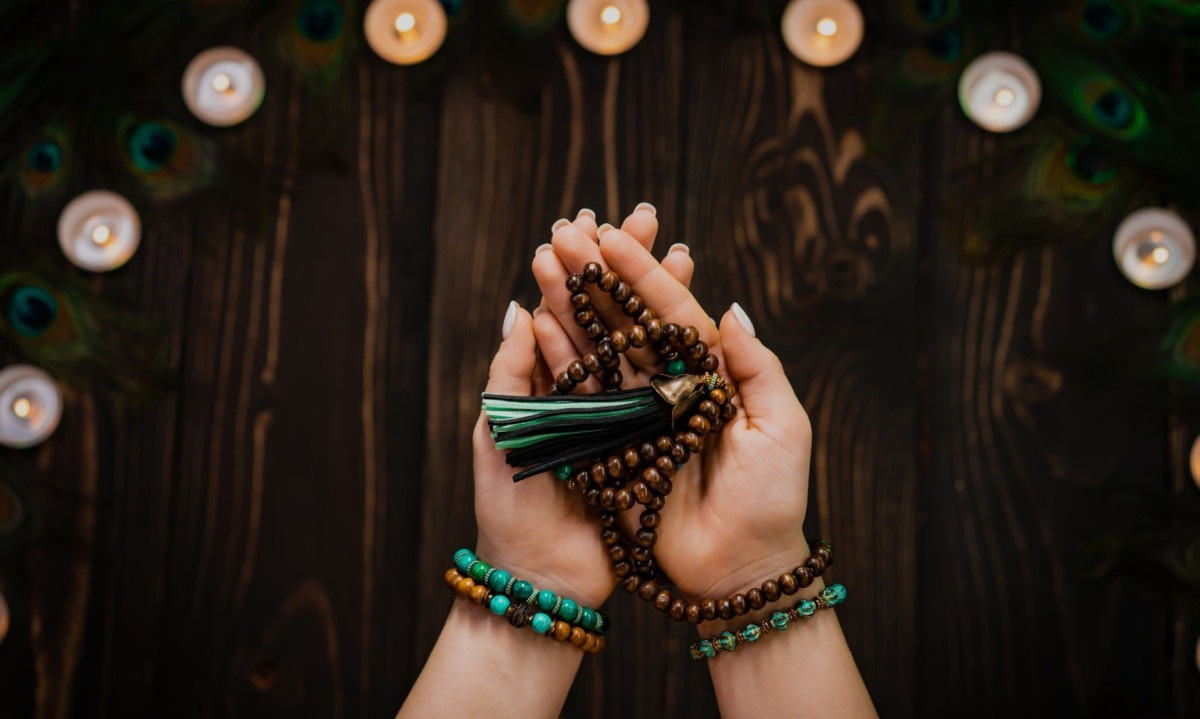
<point>268,540</point>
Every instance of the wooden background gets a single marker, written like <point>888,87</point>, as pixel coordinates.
<point>268,540</point>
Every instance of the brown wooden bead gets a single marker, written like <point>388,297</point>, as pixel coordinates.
<point>631,583</point>
<point>621,293</point>
<point>592,363</point>
<point>624,499</point>
<point>609,536</point>
<point>576,371</point>
<point>614,467</point>
<point>692,441</point>
<point>710,363</point>
<point>678,609</point>
<point>671,332</point>
<point>585,316</point>
<point>708,608</point>
<point>770,590</point>
<point>663,444</point>
<point>718,395</point>
<point>617,553</point>
<point>633,306</point>
<point>816,564</point>
<point>607,281</point>
<point>650,519</point>
<point>728,411</point>
<point>664,487</point>
<point>656,503</point>
<point>740,604</point>
<point>689,336</point>
<point>464,586</point>
<point>666,464</point>
<point>679,453</point>
<point>479,593</point>
<point>594,330</point>
<point>589,642</point>
<point>612,378</point>
<point>581,300</point>
<point>563,383</point>
<point>631,458</point>
<point>592,271</point>
<point>662,600</point>
<point>823,552</point>
<point>654,328</point>
<point>754,598</point>
<point>648,589</point>
<point>592,496</point>
<point>560,630</point>
<point>803,575</point>
<point>647,452</point>
<point>577,636</point>
<point>608,519</point>
<point>652,478</point>
<point>692,613</point>
<point>725,609</point>
<point>641,491</point>
<point>646,537</point>
<point>451,577</point>
<point>606,351</point>
<point>697,352</point>
<point>637,336</point>
<point>598,474</point>
<point>574,282</point>
<point>620,341</point>
<point>608,498</point>
<point>709,409</point>
<point>622,569</point>
<point>788,584</point>
<point>699,424</point>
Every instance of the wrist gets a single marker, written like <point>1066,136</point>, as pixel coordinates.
<point>541,577</point>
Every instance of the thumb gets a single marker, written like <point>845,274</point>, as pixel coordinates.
<point>756,371</point>
<point>512,367</point>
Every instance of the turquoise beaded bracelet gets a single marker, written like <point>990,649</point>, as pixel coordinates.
<point>504,584</point>
<point>830,596</point>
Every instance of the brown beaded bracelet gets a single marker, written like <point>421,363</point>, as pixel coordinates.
<point>522,614</point>
<point>779,621</point>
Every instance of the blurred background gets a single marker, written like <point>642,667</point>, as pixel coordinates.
<point>256,256</point>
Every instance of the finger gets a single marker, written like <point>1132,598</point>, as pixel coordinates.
<point>516,359</point>
<point>658,288</point>
<point>642,224</point>
<point>541,380</point>
<point>559,351</point>
<point>551,278</point>
<point>585,221</point>
<point>757,373</point>
<point>678,263</point>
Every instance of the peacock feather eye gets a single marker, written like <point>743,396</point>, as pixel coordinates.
<point>44,164</point>
<point>1108,108</point>
<point>1090,163</point>
<point>167,159</point>
<point>45,156</point>
<point>1103,19</point>
<point>320,20</point>
<point>924,16</point>
<point>935,59</point>
<point>530,18</point>
<point>30,310</point>
<point>946,45</point>
<point>151,146</point>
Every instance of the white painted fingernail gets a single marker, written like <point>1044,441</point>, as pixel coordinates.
<point>542,248</point>
<point>743,318</point>
<point>680,247</point>
<point>586,211</point>
<point>646,207</point>
<point>510,318</point>
<point>602,229</point>
<point>559,224</point>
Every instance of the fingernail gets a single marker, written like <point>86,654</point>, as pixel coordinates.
<point>680,247</point>
<point>646,207</point>
<point>537,310</point>
<point>542,248</point>
<point>743,318</point>
<point>559,224</point>
<point>602,229</point>
<point>510,319</point>
<point>586,211</point>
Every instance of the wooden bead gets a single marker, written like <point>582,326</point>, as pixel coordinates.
<point>754,598</point>
<point>664,487</point>
<point>725,609</point>
<point>803,575</point>
<point>770,590</point>
<point>451,577</point>
<point>622,569</point>
<point>709,409</point>
<point>646,537</point>
<point>788,584</point>
<point>478,593</point>
<point>656,503</point>
<point>614,467</point>
<point>631,583</point>
<point>594,330</point>
<point>592,271</point>
<point>652,479</point>
<point>641,491</point>
<point>647,452</point>
<point>589,642</point>
<point>679,453</point>
<point>663,444</point>
<point>574,282</point>
<point>654,329</point>
<point>605,350</point>
<point>617,553</point>
<point>607,281</point>
<point>620,341</point>
<point>671,332</point>
<point>633,306</point>
<point>608,498</point>
<point>647,590</point>
<point>666,465</point>
<point>816,564</point>
<point>697,352</point>
<point>699,425</point>
<point>692,613</point>
<point>612,378</point>
<point>560,630</point>
<point>576,371</point>
<point>710,363</point>
<point>581,300</point>
<point>608,519</point>
<point>643,555</point>
<point>631,458</point>
<point>708,608</point>
<point>728,411</point>
<point>650,519</point>
<point>689,336</point>
<point>592,496</point>
<point>585,316</point>
<point>577,636</point>
<point>464,586</point>
<point>824,553</point>
<point>692,441</point>
<point>563,383</point>
<point>621,293</point>
<point>609,536</point>
<point>625,500</point>
<point>598,473</point>
<point>740,604</point>
<point>662,600</point>
<point>678,609</point>
<point>600,644</point>
<point>718,395</point>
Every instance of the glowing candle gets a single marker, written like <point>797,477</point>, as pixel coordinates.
<point>1155,249</point>
<point>608,27</point>
<point>405,32</point>
<point>999,91</point>
<point>822,32</point>
<point>223,86</point>
<point>99,231</point>
<point>30,406</point>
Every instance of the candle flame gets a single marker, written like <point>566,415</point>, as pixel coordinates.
<point>827,27</point>
<point>1160,255</point>
<point>22,407</point>
<point>222,82</point>
<point>405,22</point>
<point>1004,97</point>
<point>610,15</point>
<point>101,234</point>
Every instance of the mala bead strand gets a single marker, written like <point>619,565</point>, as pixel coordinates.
<point>501,583</point>
<point>779,621</point>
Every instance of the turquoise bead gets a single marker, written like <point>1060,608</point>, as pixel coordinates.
<point>499,605</point>
<point>588,620</point>
<point>479,570</point>
<point>834,594</point>
<point>499,580</point>
<point>564,472</point>
<point>727,641</point>
<point>541,623</point>
<point>779,620</point>
<point>751,633</point>
<point>463,559</point>
<point>546,600</point>
<point>706,648</point>
<point>806,607</point>
<point>568,610</point>
<point>676,367</point>
<point>522,590</point>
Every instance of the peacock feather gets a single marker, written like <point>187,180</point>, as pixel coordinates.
<point>166,160</point>
<point>45,163</point>
<point>532,18</point>
<point>317,40</point>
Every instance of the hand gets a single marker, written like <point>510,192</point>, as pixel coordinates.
<point>735,515</point>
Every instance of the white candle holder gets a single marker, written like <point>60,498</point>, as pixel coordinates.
<point>30,406</point>
<point>608,27</point>
<point>99,231</point>
<point>999,91</point>
<point>1154,248</point>
<point>223,86</point>
<point>822,33</point>
<point>405,32</point>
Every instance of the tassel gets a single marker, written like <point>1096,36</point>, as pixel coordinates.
<point>545,433</point>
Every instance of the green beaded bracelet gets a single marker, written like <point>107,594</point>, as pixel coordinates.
<point>505,584</point>
<point>727,641</point>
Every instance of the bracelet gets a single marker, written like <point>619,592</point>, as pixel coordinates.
<point>727,641</point>
<point>518,590</point>
<point>520,614</point>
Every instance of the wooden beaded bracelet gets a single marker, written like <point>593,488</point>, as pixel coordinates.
<point>727,641</point>
<point>521,614</point>
<point>519,590</point>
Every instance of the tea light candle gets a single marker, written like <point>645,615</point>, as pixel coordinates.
<point>405,32</point>
<point>1194,462</point>
<point>822,32</point>
<point>1154,248</point>
<point>30,406</point>
<point>3,617</point>
<point>999,91</point>
<point>223,86</point>
<point>608,27</point>
<point>99,231</point>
